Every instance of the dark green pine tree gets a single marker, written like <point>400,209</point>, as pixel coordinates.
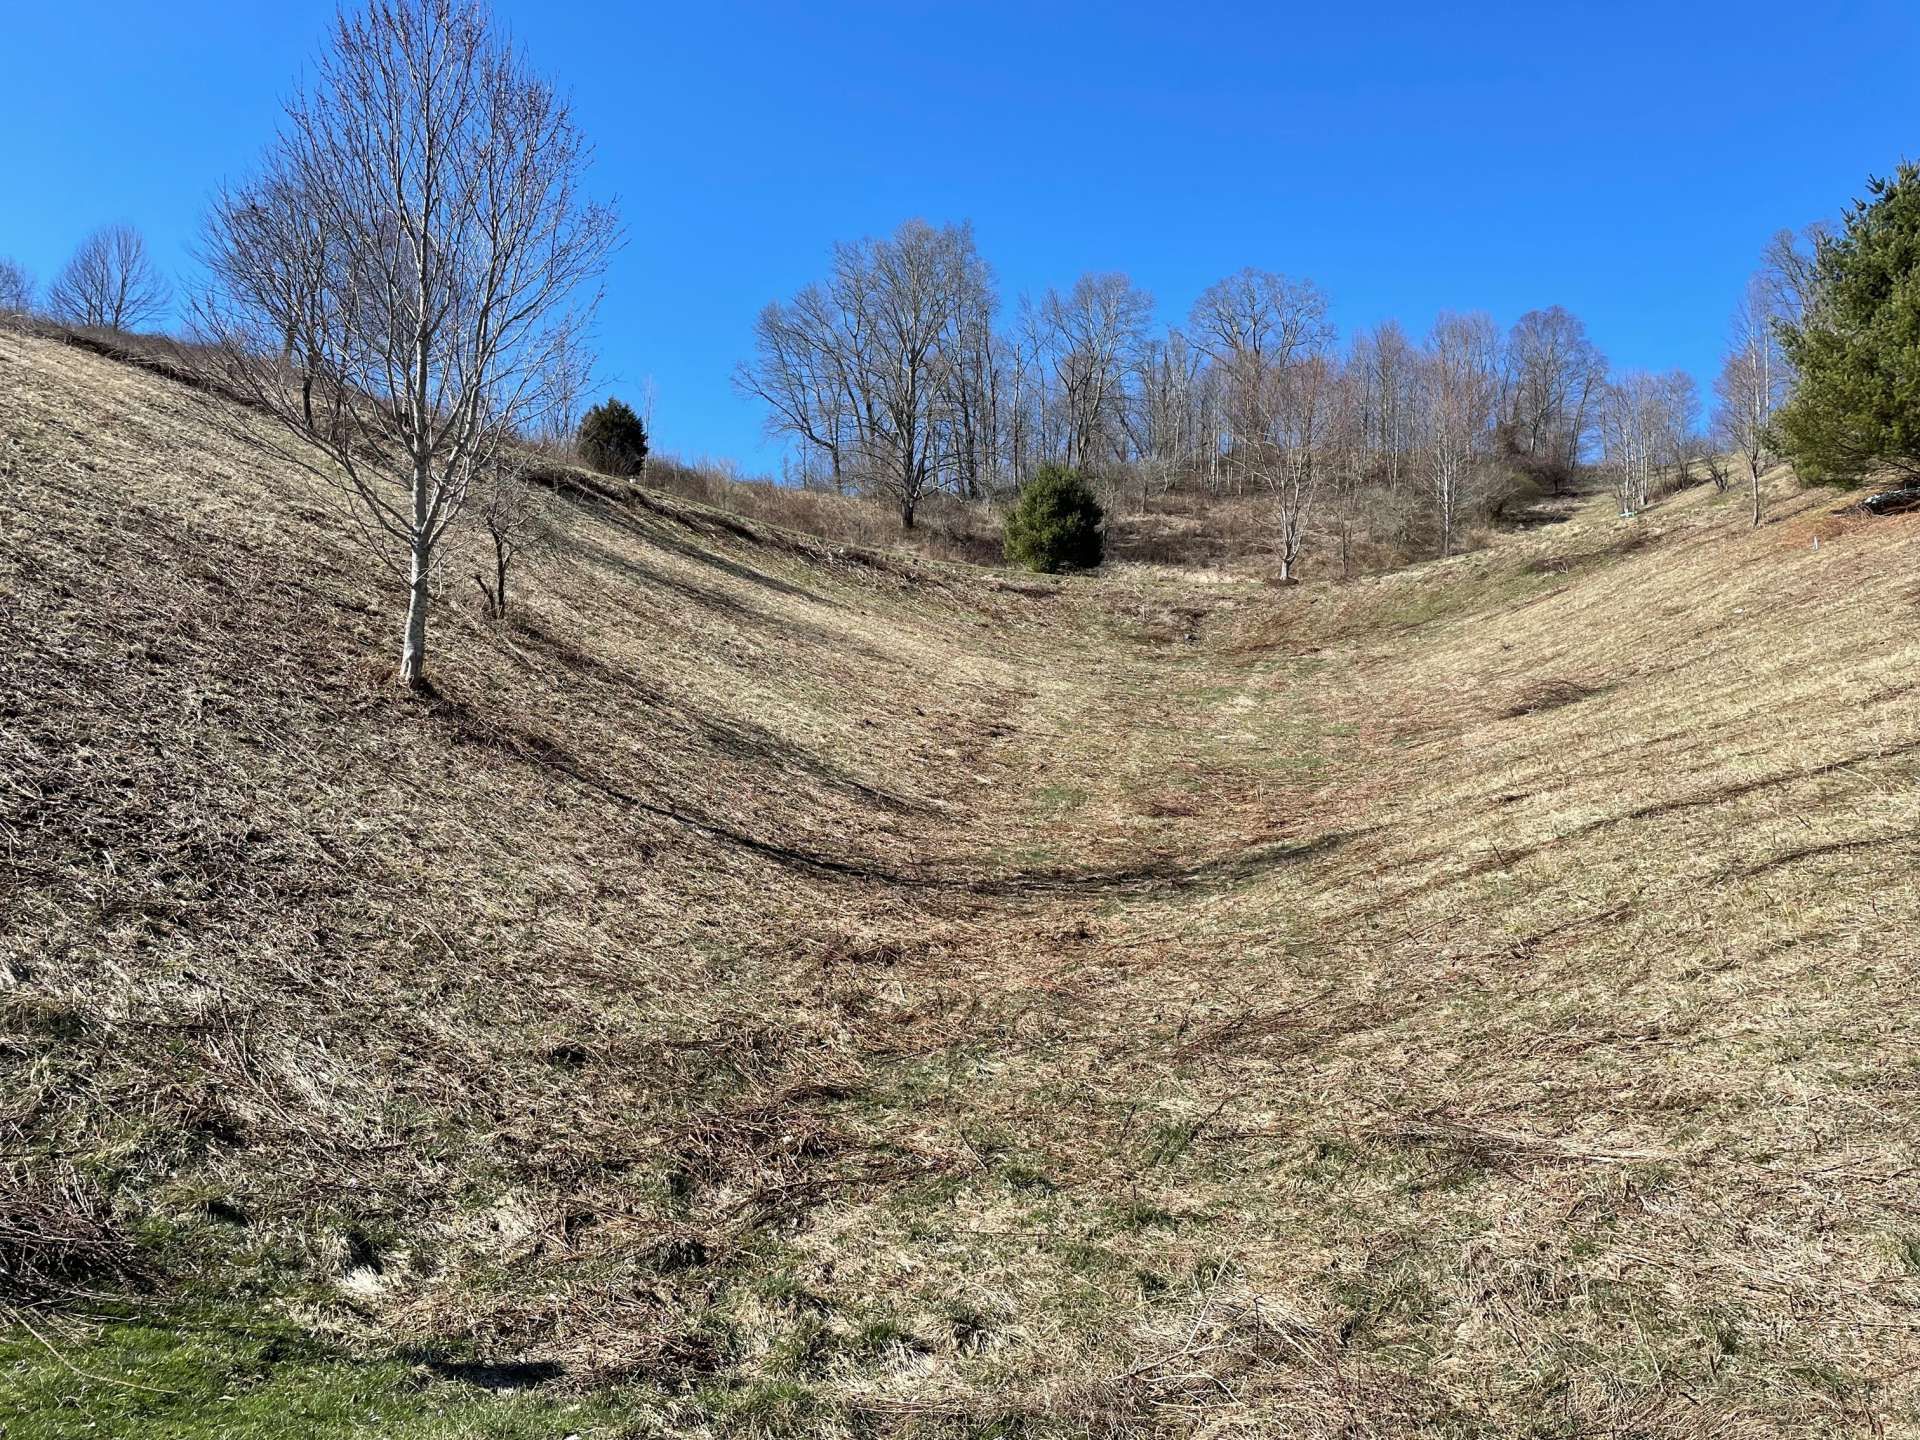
<point>612,440</point>
<point>1856,407</point>
<point>1056,524</point>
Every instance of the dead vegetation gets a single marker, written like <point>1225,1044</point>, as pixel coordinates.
<point>809,990</point>
<point>1550,694</point>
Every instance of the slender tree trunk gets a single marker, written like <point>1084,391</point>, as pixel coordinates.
<point>413,651</point>
<point>500,580</point>
<point>1753,467</point>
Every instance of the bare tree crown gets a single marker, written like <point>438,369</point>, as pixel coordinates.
<point>111,282</point>
<point>16,288</point>
<point>411,269</point>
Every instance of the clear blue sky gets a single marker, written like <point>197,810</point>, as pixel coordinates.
<point>1627,161</point>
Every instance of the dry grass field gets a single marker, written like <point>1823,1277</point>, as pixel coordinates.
<point>779,988</point>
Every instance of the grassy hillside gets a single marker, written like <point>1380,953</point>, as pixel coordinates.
<point>781,989</point>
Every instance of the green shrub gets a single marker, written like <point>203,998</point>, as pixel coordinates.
<point>1056,524</point>
<point>612,439</point>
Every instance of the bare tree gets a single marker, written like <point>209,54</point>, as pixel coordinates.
<point>804,371</point>
<point>568,382</point>
<point>1267,337</point>
<point>1555,373</point>
<point>512,518</point>
<point>1093,335</point>
<point>1624,437</point>
<point>1390,368</point>
<point>429,214</point>
<point>1675,441</point>
<point>1713,456</point>
<point>1347,451</point>
<point>1259,317</point>
<point>16,287</point>
<point>912,291</point>
<point>267,241</point>
<point>1647,421</point>
<point>1459,393</point>
<point>110,282</point>
<point>970,380</point>
<point>1753,379</point>
<point>1788,269</point>
<point>867,368</point>
<point>1286,449</point>
<point>1163,422</point>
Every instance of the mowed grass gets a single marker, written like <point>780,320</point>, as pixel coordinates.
<point>778,989</point>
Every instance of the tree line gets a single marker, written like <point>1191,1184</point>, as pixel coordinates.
<point>900,375</point>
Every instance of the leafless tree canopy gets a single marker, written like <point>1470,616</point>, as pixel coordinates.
<point>894,377</point>
<point>111,283</point>
<point>1459,397</point>
<point>879,373</point>
<point>897,376</point>
<point>1091,339</point>
<point>1267,338</point>
<point>410,271</point>
<point>1786,277</point>
<point>1556,376</point>
<point>1647,424</point>
<point>16,287</point>
<point>513,519</point>
<point>1755,374</point>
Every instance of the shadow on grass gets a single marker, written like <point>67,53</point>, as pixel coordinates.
<point>738,739</point>
<point>1157,876</point>
<point>782,629</point>
<point>1504,858</point>
<point>495,1375</point>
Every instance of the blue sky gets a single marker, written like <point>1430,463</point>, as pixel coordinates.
<point>1627,161</point>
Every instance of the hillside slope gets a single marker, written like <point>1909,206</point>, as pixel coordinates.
<point>778,989</point>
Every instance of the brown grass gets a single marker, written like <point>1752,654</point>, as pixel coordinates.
<point>1132,1005</point>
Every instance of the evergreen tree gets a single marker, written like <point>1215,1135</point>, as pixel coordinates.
<point>612,439</point>
<point>1056,524</point>
<point>1856,408</point>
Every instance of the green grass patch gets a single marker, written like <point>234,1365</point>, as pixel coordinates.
<point>241,1377</point>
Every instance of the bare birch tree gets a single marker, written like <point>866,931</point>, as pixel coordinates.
<point>1753,380</point>
<point>410,270</point>
<point>1459,392</point>
<point>111,282</point>
<point>1647,423</point>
